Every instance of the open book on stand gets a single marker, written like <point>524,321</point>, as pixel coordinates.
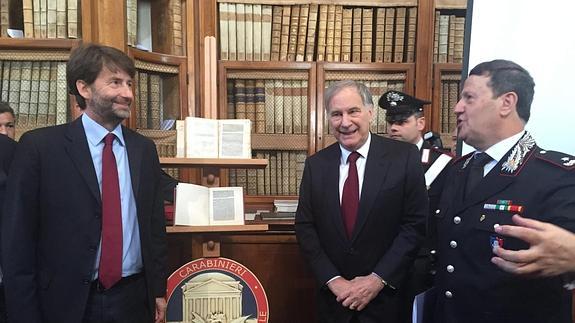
<point>213,138</point>
<point>198,205</point>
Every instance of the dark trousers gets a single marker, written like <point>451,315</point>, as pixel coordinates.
<point>125,302</point>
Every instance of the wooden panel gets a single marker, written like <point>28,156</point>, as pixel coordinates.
<point>107,22</point>
<point>424,55</point>
<point>276,261</point>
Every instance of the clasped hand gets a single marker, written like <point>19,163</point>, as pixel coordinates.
<point>355,294</point>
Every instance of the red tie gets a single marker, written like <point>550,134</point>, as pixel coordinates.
<point>110,270</point>
<point>350,195</point>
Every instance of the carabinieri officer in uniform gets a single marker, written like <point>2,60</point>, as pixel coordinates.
<point>406,122</point>
<point>507,174</point>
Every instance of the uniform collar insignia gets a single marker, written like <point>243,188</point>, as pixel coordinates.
<point>467,161</point>
<point>518,153</point>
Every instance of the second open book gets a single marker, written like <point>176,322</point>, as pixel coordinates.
<point>198,205</point>
<point>212,138</point>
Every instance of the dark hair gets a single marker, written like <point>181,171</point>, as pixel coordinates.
<point>4,107</point>
<point>507,76</point>
<point>87,61</point>
<point>336,87</point>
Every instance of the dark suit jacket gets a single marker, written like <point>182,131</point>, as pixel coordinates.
<point>388,231</point>
<point>481,292</point>
<point>53,223</point>
<point>7,149</point>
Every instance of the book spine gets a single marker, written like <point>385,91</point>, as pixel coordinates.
<point>301,34</point>
<point>311,32</point>
<point>257,32</point>
<point>241,31</point>
<point>260,106</point>
<point>266,32</point>
<point>223,19</point>
<point>276,32</point>
<point>249,32</point>
<point>322,33</point>
<point>399,34</point>
<point>366,34</point>
<point>356,36</point>
<point>293,33</point>
<point>346,34</point>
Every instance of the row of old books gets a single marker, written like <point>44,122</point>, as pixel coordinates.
<point>272,105</point>
<point>148,93</point>
<point>450,84</point>
<point>377,88</point>
<point>312,32</point>
<point>36,90</point>
<point>168,150</point>
<point>282,176</point>
<point>448,38</point>
<point>41,18</point>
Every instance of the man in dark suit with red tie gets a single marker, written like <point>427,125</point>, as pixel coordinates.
<point>83,233</point>
<point>361,213</point>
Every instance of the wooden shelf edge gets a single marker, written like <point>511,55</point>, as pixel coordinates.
<point>213,162</point>
<point>155,57</point>
<point>218,228</point>
<point>39,43</point>
<point>372,3</point>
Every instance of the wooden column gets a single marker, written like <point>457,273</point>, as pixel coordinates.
<point>424,55</point>
<point>104,22</point>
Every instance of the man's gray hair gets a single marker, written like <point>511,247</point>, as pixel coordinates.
<point>336,87</point>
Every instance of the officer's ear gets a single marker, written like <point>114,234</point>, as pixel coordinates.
<point>508,103</point>
<point>420,123</point>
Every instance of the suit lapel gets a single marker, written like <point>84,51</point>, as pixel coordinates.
<point>332,187</point>
<point>375,172</point>
<point>77,148</point>
<point>135,150</point>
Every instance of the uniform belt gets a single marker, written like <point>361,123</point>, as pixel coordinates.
<point>97,286</point>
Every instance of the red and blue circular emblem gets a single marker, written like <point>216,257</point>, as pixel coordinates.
<point>215,290</point>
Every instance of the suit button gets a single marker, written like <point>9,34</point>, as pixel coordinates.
<point>92,248</point>
<point>437,211</point>
<point>86,281</point>
<point>448,294</point>
<point>453,244</point>
<point>456,220</point>
<point>450,268</point>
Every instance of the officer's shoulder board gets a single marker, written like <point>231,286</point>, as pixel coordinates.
<point>556,158</point>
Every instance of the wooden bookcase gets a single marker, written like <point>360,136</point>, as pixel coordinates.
<point>413,75</point>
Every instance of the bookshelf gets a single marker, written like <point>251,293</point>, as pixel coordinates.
<point>447,58</point>
<point>33,81</point>
<point>445,95</point>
